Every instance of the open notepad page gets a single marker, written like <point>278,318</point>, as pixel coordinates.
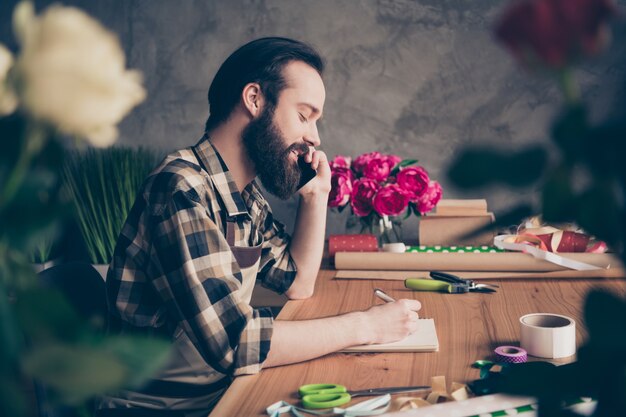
<point>423,340</point>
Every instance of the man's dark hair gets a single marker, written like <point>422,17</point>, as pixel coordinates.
<point>260,61</point>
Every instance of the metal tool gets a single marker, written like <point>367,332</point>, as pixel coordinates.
<point>443,282</point>
<point>444,276</point>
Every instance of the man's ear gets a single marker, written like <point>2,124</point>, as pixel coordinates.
<point>252,99</point>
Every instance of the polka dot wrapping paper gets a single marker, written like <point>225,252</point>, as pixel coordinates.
<point>352,243</point>
<point>453,249</point>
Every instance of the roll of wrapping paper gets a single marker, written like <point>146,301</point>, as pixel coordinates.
<point>501,262</point>
<point>352,243</point>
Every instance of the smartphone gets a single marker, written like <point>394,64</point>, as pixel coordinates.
<point>306,172</point>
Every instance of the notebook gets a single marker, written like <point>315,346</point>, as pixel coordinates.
<point>423,340</point>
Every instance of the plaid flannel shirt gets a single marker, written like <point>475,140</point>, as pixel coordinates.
<point>173,266</point>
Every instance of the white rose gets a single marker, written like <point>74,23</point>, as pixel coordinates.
<point>8,101</point>
<point>72,74</point>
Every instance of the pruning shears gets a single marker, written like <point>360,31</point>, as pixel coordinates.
<point>444,282</point>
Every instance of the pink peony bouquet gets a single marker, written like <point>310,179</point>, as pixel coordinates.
<point>378,186</point>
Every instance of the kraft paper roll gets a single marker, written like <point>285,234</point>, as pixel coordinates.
<point>501,262</point>
<point>550,336</point>
<point>481,275</point>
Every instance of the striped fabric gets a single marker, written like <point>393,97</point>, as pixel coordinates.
<point>173,267</point>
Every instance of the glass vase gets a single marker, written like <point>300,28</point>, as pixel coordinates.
<point>386,229</point>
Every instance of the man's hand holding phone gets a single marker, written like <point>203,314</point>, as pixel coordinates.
<point>315,172</point>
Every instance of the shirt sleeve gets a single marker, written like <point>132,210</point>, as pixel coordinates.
<point>277,270</point>
<point>201,284</point>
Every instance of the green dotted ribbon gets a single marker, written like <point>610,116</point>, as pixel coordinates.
<point>453,249</point>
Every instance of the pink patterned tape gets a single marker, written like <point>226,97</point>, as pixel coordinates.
<point>511,354</point>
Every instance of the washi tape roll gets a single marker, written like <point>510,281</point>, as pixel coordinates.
<point>548,335</point>
<point>510,354</point>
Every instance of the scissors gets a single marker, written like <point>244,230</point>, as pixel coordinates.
<point>444,282</point>
<point>334,395</point>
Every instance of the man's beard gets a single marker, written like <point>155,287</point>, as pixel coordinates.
<point>267,150</point>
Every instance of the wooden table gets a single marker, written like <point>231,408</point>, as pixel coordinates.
<point>469,327</point>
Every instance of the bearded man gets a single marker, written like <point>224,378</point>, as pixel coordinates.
<point>201,234</point>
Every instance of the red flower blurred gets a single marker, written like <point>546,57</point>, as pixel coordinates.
<point>363,192</point>
<point>340,161</point>
<point>431,197</point>
<point>341,187</point>
<point>413,180</point>
<point>390,200</point>
<point>378,168</point>
<point>553,32</point>
<point>361,161</point>
<point>393,160</point>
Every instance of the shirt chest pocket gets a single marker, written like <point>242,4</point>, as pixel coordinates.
<point>245,243</point>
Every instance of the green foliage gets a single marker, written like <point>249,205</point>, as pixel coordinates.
<point>402,164</point>
<point>103,184</point>
<point>42,337</point>
<point>475,167</point>
<point>74,373</point>
<point>585,184</point>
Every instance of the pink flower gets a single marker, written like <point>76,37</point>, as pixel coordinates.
<point>390,200</point>
<point>340,161</point>
<point>341,187</point>
<point>363,191</point>
<point>554,32</point>
<point>394,160</point>
<point>361,161</point>
<point>413,180</point>
<point>430,198</point>
<point>378,169</point>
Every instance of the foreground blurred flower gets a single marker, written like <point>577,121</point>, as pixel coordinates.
<point>71,73</point>
<point>8,101</point>
<point>555,32</point>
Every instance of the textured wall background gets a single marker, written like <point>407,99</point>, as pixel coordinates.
<point>419,78</point>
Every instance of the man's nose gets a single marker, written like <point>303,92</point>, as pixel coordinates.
<point>313,137</point>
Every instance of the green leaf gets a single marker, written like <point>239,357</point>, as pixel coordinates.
<point>340,209</point>
<point>45,314</point>
<point>103,184</point>
<point>569,132</point>
<point>599,213</point>
<point>12,401</point>
<point>352,222</point>
<point>402,164</point>
<point>557,197</point>
<point>605,148</point>
<point>10,334</point>
<point>142,356</point>
<point>605,315</point>
<point>74,373</point>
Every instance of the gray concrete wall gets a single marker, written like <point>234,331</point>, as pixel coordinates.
<point>417,78</point>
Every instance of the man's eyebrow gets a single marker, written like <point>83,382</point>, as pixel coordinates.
<point>314,109</point>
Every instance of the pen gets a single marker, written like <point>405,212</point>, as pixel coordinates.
<point>382,295</point>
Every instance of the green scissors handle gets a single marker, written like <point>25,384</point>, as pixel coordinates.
<point>428,285</point>
<point>323,395</point>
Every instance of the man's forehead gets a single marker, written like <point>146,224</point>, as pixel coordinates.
<point>304,84</point>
